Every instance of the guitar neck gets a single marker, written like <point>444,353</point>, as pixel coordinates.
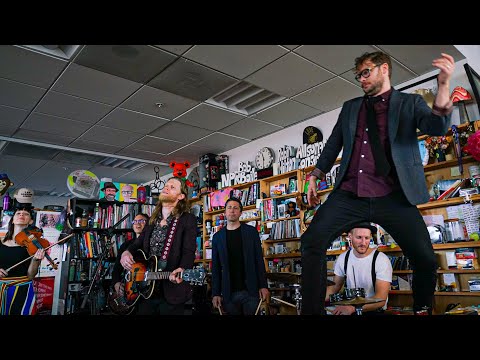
<point>158,275</point>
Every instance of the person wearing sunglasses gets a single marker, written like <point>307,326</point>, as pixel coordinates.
<point>138,224</point>
<point>381,178</point>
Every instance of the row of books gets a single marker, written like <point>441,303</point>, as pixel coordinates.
<point>399,262</point>
<point>273,209</point>
<point>247,196</point>
<point>81,270</point>
<point>90,244</point>
<point>286,229</point>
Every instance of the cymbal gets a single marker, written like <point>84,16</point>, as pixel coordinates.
<point>358,301</point>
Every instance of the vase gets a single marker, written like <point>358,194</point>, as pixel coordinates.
<point>440,155</point>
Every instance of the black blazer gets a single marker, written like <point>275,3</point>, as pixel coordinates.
<point>182,254</point>
<point>406,113</point>
<point>255,277</point>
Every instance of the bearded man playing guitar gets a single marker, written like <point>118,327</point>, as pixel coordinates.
<point>169,242</point>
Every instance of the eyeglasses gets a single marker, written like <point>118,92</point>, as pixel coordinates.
<point>232,208</point>
<point>365,73</point>
<point>141,221</point>
<point>127,192</point>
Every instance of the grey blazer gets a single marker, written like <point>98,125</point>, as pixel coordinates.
<point>406,113</point>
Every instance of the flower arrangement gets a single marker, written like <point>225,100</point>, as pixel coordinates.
<point>473,145</point>
<point>434,143</point>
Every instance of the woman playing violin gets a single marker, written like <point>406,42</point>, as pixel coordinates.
<point>22,298</point>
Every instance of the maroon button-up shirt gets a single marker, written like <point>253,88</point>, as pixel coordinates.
<point>360,177</point>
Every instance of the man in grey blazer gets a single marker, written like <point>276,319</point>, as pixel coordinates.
<point>381,177</point>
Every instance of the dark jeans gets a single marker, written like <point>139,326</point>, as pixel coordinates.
<point>159,306</point>
<point>337,215</point>
<point>241,303</point>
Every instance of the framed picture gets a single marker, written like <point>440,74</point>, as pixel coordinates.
<point>281,208</point>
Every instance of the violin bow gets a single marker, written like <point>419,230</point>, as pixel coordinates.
<point>48,247</point>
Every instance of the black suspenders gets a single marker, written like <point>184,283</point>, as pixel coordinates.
<point>374,275</point>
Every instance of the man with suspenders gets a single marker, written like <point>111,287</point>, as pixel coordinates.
<point>362,267</point>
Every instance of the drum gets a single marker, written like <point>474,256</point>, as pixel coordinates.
<point>352,293</point>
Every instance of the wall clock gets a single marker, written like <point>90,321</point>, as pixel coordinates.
<point>264,158</point>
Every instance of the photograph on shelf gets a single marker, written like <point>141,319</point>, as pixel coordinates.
<point>277,190</point>
<point>109,191</point>
<point>292,185</point>
<point>281,211</point>
<point>292,209</point>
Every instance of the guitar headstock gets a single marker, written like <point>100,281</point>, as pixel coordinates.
<point>194,276</point>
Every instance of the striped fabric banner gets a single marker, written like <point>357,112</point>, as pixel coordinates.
<point>17,296</point>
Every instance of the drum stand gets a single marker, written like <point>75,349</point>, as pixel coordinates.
<point>297,297</point>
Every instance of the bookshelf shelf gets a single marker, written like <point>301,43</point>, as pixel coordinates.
<point>447,164</point>
<point>280,240</point>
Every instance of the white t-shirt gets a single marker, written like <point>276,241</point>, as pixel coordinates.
<point>363,271</point>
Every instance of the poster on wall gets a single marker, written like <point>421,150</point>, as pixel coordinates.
<point>116,191</point>
<point>47,220</point>
<point>4,225</point>
<point>44,287</point>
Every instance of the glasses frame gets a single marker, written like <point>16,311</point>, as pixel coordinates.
<point>140,221</point>
<point>361,74</point>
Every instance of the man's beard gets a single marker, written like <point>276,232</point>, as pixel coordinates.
<point>166,198</point>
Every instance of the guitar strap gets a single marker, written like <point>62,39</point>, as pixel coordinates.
<point>168,242</point>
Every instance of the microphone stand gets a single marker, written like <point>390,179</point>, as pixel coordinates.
<point>108,233</point>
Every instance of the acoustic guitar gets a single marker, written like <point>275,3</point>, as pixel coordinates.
<point>140,282</point>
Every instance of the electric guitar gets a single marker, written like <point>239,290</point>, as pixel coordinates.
<point>140,282</point>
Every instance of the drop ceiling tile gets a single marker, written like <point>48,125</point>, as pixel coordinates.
<point>10,119</point>
<point>109,136</point>
<point>29,67</point>
<point>191,80</point>
<point>209,117</point>
<point>44,137</point>
<point>7,130</point>
<point>291,47</point>
<point>17,174</point>
<point>329,95</point>
<point>190,153</point>
<point>144,174</point>
<point>157,145</point>
<point>95,85</point>
<point>138,63</point>
<point>180,132</point>
<point>176,49</point>
<point>19,95</point>
<point>78,158</point>
<point>399,74</point>
<point>132,121</point>
<point>72,107</point>
<point>289,75</point>
<point>139,154</point>
<point>287,113</point>
<point>54,125</point>
<point>107,171</point>
<point>29,151</point>
<point>336,58</point>
<point>217,143</point>
<point>94,146</point>
<point>418,58</point>
<point>250,129</point>
<point>235,60</point>
<point>146,99</point>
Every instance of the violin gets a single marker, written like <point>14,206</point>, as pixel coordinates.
<point>31,238</point>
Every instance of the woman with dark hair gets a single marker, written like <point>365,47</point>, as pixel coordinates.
<point>16,293</point>
<point>170,235</point>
